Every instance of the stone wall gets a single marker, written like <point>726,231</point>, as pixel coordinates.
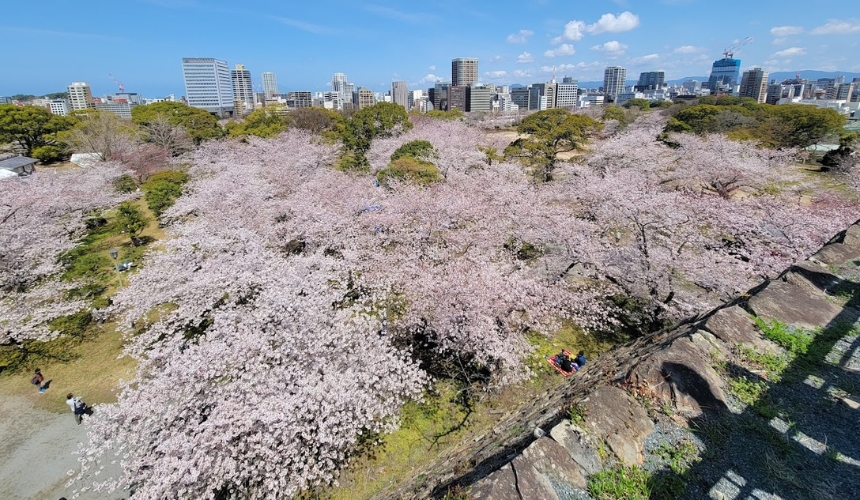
<point>536,450</point>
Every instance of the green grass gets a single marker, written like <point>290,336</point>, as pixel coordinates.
<point>774,364</point>
<point>748,391</point>
<point>794,341</point>
<point>628,483</point>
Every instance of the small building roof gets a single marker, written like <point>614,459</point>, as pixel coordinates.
<point>16,161</point>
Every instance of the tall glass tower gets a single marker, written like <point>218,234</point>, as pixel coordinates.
<point>725,74</point>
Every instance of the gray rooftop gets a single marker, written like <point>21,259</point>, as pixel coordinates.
<point>15,162</point>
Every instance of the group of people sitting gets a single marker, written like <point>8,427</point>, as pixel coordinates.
<point>568,364</point>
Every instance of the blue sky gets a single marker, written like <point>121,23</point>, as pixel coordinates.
<point>49,44</point>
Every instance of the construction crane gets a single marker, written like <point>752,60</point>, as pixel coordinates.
<point>120,85</point>
<point>730,52</point>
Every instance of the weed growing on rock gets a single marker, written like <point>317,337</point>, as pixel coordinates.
<point>795,341</point>
<point>631,483</point>
<point>577,413</point>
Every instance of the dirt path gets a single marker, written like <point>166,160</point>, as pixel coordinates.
<point>36,448</point>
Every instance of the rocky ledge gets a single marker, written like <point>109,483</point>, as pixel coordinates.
<point>681,385</point>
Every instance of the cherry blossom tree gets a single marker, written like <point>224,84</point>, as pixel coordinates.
<point>41,217</point>
<point>295,307</point>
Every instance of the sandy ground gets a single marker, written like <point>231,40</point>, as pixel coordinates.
<point>36,452</point>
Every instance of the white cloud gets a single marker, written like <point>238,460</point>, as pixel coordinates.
<point>525,57</point>
<point>779,41</point>
<point>644,59</point>
<point>686,49</point>
<point>790,52</point>
<point>521,37</point>
<point>496,58</point>
<point>555,69</point>
<point>564,49</point>
<point>429,78</point>
<point>837,27</point>
<point>573,31</point>
<point>612,47</point>
<point>432,68</point>
<point>522,74</point>
<point>625,21</point>
<point>496,74</point>
<point>781,31</point>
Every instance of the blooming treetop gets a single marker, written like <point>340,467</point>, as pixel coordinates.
<point>284,316</point>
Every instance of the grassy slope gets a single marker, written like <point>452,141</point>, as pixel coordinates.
<point>95,367</point>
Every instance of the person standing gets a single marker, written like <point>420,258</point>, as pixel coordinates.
<point>77,405</point>
<point>39,381</point>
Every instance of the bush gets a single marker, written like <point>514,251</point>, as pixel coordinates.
<point>162,190</point>
<point>48,154</point>
<point>124,184</point>
<point>420,150</point>
<point>411,169</point>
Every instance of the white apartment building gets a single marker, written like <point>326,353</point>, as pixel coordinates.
<point>270,84</point>
<point>208,85</point>
<point>243,90</point>
<point>613,81</point>
<point>80,96</point>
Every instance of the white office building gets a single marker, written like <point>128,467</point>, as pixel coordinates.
<point>59,107</point>
<point>80,96</point>
<point>208,85</point>
<point>400,94</point>
<point>566,93</point>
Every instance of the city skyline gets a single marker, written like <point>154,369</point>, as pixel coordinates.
<point>376,44</point>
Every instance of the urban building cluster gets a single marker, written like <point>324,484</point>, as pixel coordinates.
<point>211,85</point>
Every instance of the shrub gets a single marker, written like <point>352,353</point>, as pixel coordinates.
<point>420,150</point>
<point>124,184</point>
<point>163,188</point>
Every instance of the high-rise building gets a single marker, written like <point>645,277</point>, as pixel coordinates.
<point>754,84</point>
<point>520,97</point>
<point>613,81</point>
<point>341,85</point>
<point>650,80</point>
<point>725,74</point>
<point>438,96</point>
<point>844,91</point>
<point>270,84</point>
<point>774,92</point>
<point>457,97</point>
<point>80,96</point>
<point>208,85</point>
<point>243,90</point>
<point>478,98</point>
<point>464,71</point>
<point>400,94</point>
<point>566,93</point>
<point>363,97</point>
<point>300,99</point>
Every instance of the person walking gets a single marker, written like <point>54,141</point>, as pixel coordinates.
<point>78,407</point>
<point>39,381</point>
